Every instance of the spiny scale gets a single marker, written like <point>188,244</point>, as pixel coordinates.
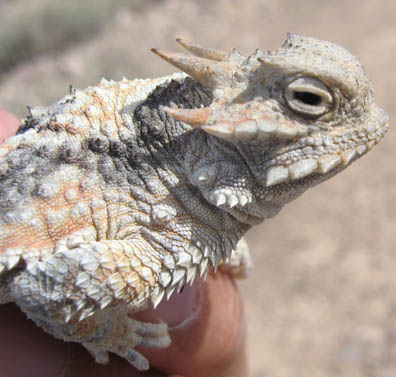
<point>193,117</point>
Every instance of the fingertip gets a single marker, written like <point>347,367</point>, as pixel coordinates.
<point>8,125</point>
<point>212,342</point>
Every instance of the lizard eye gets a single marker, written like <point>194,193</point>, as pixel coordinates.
<point>308,97</point>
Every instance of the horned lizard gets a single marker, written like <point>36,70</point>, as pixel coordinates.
<point>118,195</point>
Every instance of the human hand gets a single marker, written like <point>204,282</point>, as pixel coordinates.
<point>206,324</point>
<point>8,125</point>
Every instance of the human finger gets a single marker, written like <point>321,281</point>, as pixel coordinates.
<point>8,125</point>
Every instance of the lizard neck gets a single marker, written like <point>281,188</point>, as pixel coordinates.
<point>164,152</point>
<point>213,170</point>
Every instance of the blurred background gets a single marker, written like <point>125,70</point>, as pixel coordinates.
<point>322,298</point>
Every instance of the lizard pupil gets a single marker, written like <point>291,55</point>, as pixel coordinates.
<point>308,98</point>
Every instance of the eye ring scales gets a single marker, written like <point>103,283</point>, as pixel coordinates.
<point>308,97</point>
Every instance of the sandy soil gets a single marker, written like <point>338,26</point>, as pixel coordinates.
<point>322,299</point>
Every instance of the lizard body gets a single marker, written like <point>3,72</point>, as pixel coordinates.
<point>117,195</point>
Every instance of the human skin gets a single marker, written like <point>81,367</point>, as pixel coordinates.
<point>206,324</point>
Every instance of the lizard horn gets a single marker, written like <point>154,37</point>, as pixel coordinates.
<point>209,73</point>
<point>207,53</point>
<point>193,117</point>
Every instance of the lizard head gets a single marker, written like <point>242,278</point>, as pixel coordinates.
<point>296,115</point>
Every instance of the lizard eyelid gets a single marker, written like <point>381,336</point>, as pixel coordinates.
<point>308,97</point>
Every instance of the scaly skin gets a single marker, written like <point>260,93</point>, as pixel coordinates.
<point>119,194</point>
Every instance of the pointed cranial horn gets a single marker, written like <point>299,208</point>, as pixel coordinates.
<point>207,53</point>
<point>209,73</point>
<point>193,117</point>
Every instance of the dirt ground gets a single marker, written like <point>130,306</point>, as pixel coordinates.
<point>322,299</point>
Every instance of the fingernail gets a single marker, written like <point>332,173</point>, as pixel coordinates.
<point>183,307</point>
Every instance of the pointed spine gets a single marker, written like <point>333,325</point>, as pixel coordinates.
<point>209,73</point>
<point>207,53</point>
<point>193,117</point>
